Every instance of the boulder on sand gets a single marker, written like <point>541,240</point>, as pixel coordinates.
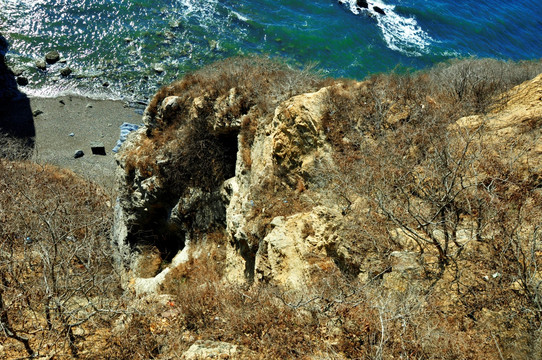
<point>52,57</point>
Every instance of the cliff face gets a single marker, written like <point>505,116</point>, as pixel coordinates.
<point>270,181</point>
<point>273,183</point>
<point>417,197</point>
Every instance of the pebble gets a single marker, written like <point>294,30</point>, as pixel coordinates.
<point>78,154</point>
<point>72,134</point>
<point>89,106</point>
<point>65,71</point>
<point>52,57</point>
<point>37,112</point>
<point>62,102</point>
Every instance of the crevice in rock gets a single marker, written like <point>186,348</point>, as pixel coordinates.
<point>348,268</point>
<point>191,201</point>
<point>248,254</point>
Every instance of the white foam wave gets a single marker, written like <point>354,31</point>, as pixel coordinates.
<point>401,34</point>
<point>240,17</point>
<point>204,11</point>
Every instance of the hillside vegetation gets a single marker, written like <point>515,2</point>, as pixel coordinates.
<point>264,212</point>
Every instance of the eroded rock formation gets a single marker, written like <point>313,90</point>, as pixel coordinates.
<point>264,177</point>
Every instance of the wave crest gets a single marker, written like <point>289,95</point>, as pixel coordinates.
<point>401,34</point>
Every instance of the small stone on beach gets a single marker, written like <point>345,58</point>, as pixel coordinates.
<point>72,134</point>
<point>52,57</point>
<point>37,112</point>
<point>78,154</point>
<point>65,71</point>
<point>62,102</point>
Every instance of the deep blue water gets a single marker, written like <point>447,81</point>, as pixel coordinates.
<point>123,42</point>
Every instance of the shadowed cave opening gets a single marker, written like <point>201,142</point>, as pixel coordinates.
<point>177,213</point>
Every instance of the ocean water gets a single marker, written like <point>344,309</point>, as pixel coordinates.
<point>135,46</point>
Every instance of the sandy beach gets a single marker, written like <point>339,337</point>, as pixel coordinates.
<point>64,125</point>
<point>56,128</point>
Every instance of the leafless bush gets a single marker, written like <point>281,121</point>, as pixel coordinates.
<point>55,261</point>
<point>475,83</point>
<point>12,148</point>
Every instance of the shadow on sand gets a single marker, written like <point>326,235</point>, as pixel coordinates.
<point>17,129</point>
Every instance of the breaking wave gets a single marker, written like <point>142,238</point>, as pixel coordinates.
<point>401,34</point>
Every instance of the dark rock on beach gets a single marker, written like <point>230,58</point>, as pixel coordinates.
<point>22,81</point>
<point>52,57</point>
<point>379,10</point>
<point>362,4</point>
<point>65,71</point>
<point>78,154</point>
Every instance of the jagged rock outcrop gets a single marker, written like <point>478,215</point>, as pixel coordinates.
<point>272,190</point>
<point>517,121</point>
<point>8,85</point>
<point>215,162</point>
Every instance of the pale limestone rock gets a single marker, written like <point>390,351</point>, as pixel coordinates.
<point>287,151</point>
<point>295,251</point>
<point>207,349</point>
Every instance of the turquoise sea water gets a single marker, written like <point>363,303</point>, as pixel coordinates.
<point>122,43</point>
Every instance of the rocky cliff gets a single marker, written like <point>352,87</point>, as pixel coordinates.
<point>423,188</point>
<point>264,171</point>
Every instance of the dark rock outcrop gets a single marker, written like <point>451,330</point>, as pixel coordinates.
<point>16,120</point>
<point>52,57</point>
<point>362,4</point>
<point>379,10</point>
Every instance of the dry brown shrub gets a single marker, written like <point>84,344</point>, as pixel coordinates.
<point>12,148</point>
<point>55,261</point>
<point>201,156</point>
